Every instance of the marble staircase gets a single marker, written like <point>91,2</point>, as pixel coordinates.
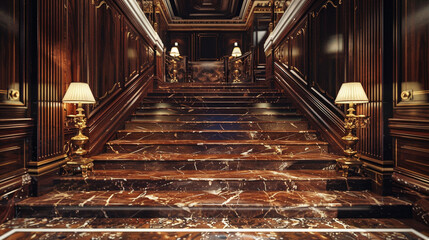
<point>215,151</point>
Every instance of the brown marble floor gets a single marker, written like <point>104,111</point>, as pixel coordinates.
<point>212,228</point>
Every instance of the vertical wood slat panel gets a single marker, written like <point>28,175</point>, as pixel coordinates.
<point>50,127</point>
<point>368,66</point>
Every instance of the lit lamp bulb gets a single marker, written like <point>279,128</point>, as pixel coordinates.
<point>175,50</point>
<point>236,52</point>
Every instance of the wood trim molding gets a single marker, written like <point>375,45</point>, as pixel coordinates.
<point>109,119</point>
<point>287,22</point>
<point>329,124</point>
<point>140,22</point>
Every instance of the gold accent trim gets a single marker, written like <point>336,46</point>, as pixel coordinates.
<point>325,6</point>
<point>100,4</point>
<point>45,169</point>
<point>47,161</point>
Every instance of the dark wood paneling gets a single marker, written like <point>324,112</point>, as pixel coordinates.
<point>16,122</point>
<point>210,46</point>
<point>52,20</point>
<point>367,62</point>
<point>331,42</point>
<point>207,46</point>
<point>327,47</point>
<point>104,49</point>
<point>409,125</point>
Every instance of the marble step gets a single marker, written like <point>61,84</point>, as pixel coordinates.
<point>213,180</point>
<point>215,90</point>
<point>216,104</point>
<point>217,228</point>
<point>215,110</point>
<point>217,99</point>
<point>226,162</point>
<point>236,204</point>
<point>268,93</point>
<point>216,146</point>
<point>216,117</point>
<point>193,98</point>
<point>215,135</point>
<point>216,125</point>
<point>217,86</point>
<point>213,84</point>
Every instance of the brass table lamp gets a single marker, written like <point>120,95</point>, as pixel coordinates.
<point>80,93</point>
<point>175,53</point>
<point>236,52</point>
<point>351,93</point>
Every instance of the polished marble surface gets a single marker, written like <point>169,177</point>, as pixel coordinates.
<point>111,204</point>
<point>213,180</point>
<point>215,157</point>
<point>213,228</point>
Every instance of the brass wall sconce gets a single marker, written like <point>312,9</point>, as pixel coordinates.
<point>236,52</point>
<point>175,53</point>
<point>80,93</point>
<point>351,93</point>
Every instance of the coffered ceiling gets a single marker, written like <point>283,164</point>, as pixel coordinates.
<point>206,9</point>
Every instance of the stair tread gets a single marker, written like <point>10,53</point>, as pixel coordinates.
<point>213,157</point>
<point>210,108</point>
<point>218,142</point>
<point>216,114</point>
<point>175,200</point>
<point>216,175</point>
<point>216,131</point>
<point>216,122</point>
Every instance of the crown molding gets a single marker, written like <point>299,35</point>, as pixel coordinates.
<point>240,23</point>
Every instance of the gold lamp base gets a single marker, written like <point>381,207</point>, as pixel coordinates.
<point>350,162</point>
<point>77,163</point>
<point>236,72</point>
<point>346,165</point>
<point>78,166</point>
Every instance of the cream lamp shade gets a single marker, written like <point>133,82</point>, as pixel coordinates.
<point>236,52</point>
<point>79,92</point>
<point>175,50</point>
<point>351,92</point>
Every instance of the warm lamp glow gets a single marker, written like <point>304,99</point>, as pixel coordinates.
<point>351,92</point>
<point>175,50</point>
<point>236,52</point>
<point>79,92</point>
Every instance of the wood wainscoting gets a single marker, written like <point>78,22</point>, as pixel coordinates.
<point>325,43</point>
<point>46,45</point>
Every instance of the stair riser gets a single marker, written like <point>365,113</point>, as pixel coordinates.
<point>215,212</point>
<point>251,135</point>
<point>214,165</point>
<point>217,126</point>
<point>213,104</point>
<point>213,185</point>
<point>187,110</point>
<point>215,148</point>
